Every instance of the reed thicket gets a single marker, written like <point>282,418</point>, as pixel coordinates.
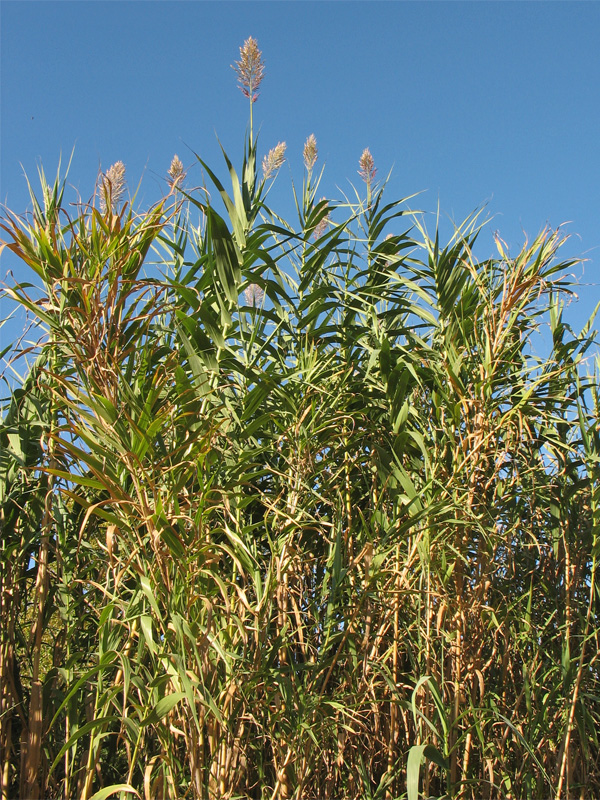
<point>291,510</point>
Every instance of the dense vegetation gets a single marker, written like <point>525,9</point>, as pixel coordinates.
<point>294,512</point>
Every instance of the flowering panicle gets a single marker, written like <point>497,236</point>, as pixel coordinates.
<point>367,169</point>
<point>254,294</point>
<point>321,227</point>
<point>310,152</point>
<point>250,69</point>
<point>273,160</point>
<point>111,186</point>
<point>176,173</point>
<point>388,262</point>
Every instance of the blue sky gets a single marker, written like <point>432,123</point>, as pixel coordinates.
<point>473,102</point>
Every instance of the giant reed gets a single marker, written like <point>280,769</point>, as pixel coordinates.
<point>295,514</point>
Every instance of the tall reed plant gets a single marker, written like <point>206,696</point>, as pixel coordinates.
<point>290,509</point>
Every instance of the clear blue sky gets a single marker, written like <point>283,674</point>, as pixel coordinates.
<point>474,102</point>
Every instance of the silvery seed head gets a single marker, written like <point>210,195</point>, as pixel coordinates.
<point>254,294</point>
<point>176,174</point>
<point>310,152</point>
<point>111,187</point>
<point>250,69</point>
<point>367,169</point>
<point>273,160</point>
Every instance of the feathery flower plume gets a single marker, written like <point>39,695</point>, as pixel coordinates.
<point>310,152</point>
<point>387,238</point>
<point>111,186</point>
<point>176,173</point>
<point>321,227</point>
<point>367,169</point>
<point>250,69</point>
<point>273,160</point>
<point>254,294</point>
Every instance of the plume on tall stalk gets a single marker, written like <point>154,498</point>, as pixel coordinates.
<point>294,513</point>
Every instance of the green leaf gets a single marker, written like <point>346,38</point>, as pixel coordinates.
<point>416,755</point>
<point>162,708</point>
<point>413,770</point>
<point>83,731</point>
<point>102,794</point>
